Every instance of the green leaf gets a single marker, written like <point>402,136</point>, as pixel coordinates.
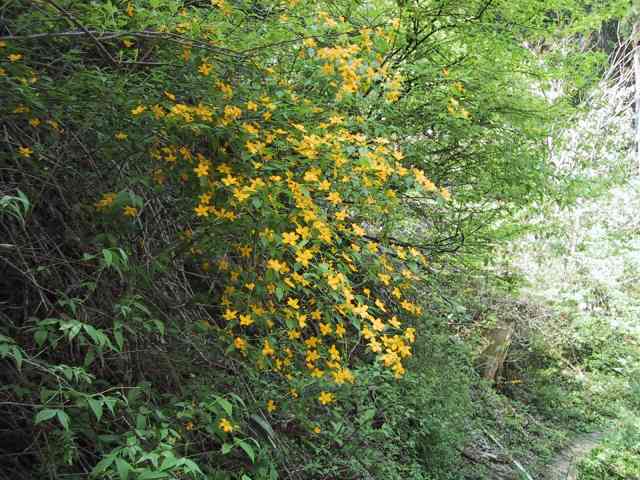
<point>103,464</point>
<point>123,468</point>
<point>149,475</point>
<point>117,334</point>
<point>248,450</point>
<point>44,415</point>
<point>89,358</point>
<point>264,424</point>
<point>367,416</point>
<point>17,356</point>
<point>111,403</point>
<point>226,405</point>
<point>63,418</point>
<point>169,462</point>
<point>226,448</point>
<point>160,326</point>
<point>108,257</point>
<point>40,337</point>
<point>94,334</point>
<point>96,407</point>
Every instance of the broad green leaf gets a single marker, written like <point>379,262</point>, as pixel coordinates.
<point>248,450</point>
<point>226,448</point>
<point>123,468</point>
<point>96,407</point>
<point>44,415</point>
<point>63,418</point>
<point>226,405</point>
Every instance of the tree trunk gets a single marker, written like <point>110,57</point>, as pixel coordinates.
<point>493,357</point>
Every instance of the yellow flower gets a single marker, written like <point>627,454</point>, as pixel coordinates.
<point>271,406</point>
<point>377,324</point>
<point>334,280</point>
<point>341,215</point>
<point>303,257</point>
<point>334,198</point>
<point>121,136</point>
<point>312,342</point>
<point>268,350</point>
<point>188,426</point>
<point>343,375</point>
<point>231,113</point>
<point>252,129</point>
<point>309,42</point>
<point>14,57</point>
<point>202,170</point>
<point>276,265</point>
<point>290,238</point>
<point>325,329</point>
<point>202,210</point>
<point>294,303</point>
<point>240,194</point>
<point>240,343</point>
<point>326,398</point>
<point>410,334</point>
<point>397,154</point>
<point>225,425</point>
<point>293,334</point>
<point>316,429</point>
<point>324,185</point>
<point>229,314</point>
<point>138,110</point>
<point>130,211</point>
<point>394,321</point>
<point>357,229</point>
<point>130,11</point>
<point>246,320</point>
<point>205,69</point>
<point>251,105</point>
<point>230,180</point>
<point>25,152</point>
<point>106,200</point>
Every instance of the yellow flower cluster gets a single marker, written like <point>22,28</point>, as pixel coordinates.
<point>288,190</point>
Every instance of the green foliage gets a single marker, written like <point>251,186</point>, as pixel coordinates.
<point>618,456</point>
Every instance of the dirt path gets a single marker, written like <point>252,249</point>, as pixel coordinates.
<point>564,465</point>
